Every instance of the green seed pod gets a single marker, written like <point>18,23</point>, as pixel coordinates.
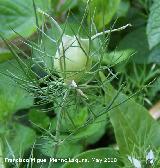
<point>72,58</point>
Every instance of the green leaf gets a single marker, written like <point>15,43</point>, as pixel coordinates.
<point>94,157</point>
<point>105,10</point>
<point>118,56</point>
<point>12,97</point>
<point>153,28</point>
<point>1,154</point>
<point>19,16</point>
<point>154,55</point>
<point>129,126</point>
<point>20,140</point>
<point>39,118</point>
<point>90,133</point>
<point>63,6</point>
<point>66,149</point>
<point>136,42</point>
<point>123,8</point>
<point>5,54</point>
<point>134,128</point>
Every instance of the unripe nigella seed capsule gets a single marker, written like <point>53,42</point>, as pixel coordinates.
<point>72,58</point>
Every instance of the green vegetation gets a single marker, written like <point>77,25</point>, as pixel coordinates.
<point>79,79</point>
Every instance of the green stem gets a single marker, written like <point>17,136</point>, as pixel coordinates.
<point>109,31</point>
<point>59,118</point>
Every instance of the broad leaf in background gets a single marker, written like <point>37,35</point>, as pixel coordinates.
<point>21,139</point>
<point>19,16</point>
<point>93,132</point>
<point>12,97</point>
<point>134,128</point>
<point>66,149</point>
<point>123,8</point>
<point>154,55</point>
<point>153,25</point>
<point>39,118</point>
<point>5,54</point>
<point>89,134</point>
<point>104,11</point>
<point>118,56</point>
<point>136,42</point>
<point>1,153</point>
<point>60,7</point>
<point>97,159</point>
